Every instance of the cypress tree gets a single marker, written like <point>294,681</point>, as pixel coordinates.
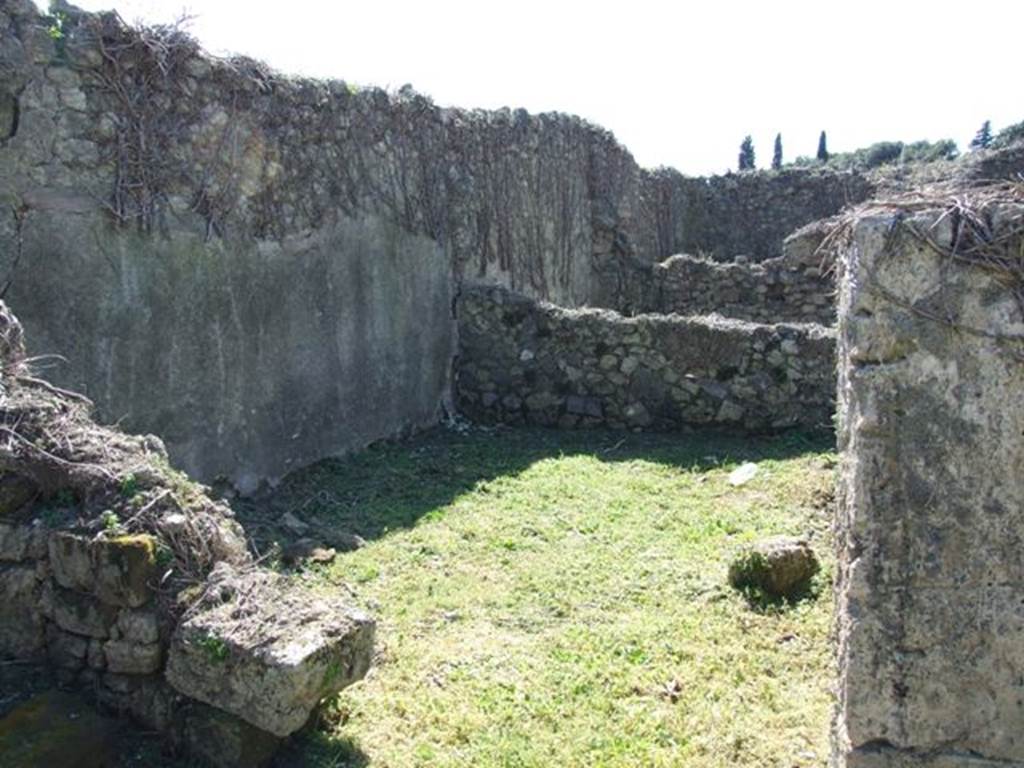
<point>746,159</point>
<point>983,138</point>
<point>822,148</point>
<point>777,154</point>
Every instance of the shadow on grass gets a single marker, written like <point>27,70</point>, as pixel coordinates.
<point>314,749</point>
<point>392,485</point>
<point>761,602</point>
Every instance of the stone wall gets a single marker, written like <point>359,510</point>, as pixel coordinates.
<point>1004,163</point>
<point>796,287</point>
<point>929,525</point>
<point>738,214</point>
<point>168,140</point>
<point>172,140</point>
<point>126,581</point>
<point>769,292</point>
<point>178,314</point>
<point>248,359</point>
<point>522,361</point>
<point>260,268</point>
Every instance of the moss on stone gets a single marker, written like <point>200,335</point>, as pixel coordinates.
<point>138,544</point>
<point>126,567</point>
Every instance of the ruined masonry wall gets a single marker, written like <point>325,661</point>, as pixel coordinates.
<point>929,524</point>
<point>522,361</point>
<point>796,287</point>
<point>126,580</point>
<point>194,291</point>
<point>88,609</point>
<point>260,269</point>
<point>738,214</point>
<point>768,292</point>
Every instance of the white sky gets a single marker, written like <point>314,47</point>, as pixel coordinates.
<point>678,83</point>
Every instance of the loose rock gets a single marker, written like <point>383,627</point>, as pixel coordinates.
<point>309,550</point>
<point>779,567</point>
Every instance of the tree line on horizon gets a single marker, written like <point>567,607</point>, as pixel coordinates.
<point>747,156</point>
<point>882,152</point>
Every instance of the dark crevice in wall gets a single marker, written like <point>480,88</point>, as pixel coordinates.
<point>876,745</point>
<point>880,747</point>
<point>10,115</point>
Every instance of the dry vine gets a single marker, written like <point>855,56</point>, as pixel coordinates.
<point>974,242</point>
<point>143,70</point>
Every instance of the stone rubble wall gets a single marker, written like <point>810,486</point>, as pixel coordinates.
<point>769,292</point>
<point>213,291</point>
<point>522,361</point>
<point>247,155</point>
<point>538,203</point>
<point>929,524</point>
<point>238,251</point>
<point>85,607</point>
<point>738,214</point>
<point>88,608</point>
<point>129,583</point>
<point>796,287</point>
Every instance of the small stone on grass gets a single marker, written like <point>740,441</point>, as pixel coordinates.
<point>780,567</point>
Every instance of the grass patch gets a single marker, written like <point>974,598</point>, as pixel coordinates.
<point>552,598</point>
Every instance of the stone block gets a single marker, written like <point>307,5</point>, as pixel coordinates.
<point>511,403</point>
<point>138,626</point>
<point>66,650</point>
<point>729,412</point>
<point>21,619</point>
<point>124,657</point>
<point>125,569</point>
<point>540,401</point>
<point>71,561</point>
<point>82,614</point>
<point>95,657</point>
<point>150,700</point>
<point>271,657</point>
<point>16,494</point>
<point>780,567</point>
<point>583,406</point>
<point>22,542</point>
<point>636,415</point>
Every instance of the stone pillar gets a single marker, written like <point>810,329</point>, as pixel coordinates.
<point>930,524</point>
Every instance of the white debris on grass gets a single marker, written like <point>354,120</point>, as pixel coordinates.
<point>743,474</point>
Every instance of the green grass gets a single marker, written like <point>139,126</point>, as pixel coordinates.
<point>561,599</point>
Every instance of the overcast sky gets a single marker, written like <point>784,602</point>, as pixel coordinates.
<point>678,83</point>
